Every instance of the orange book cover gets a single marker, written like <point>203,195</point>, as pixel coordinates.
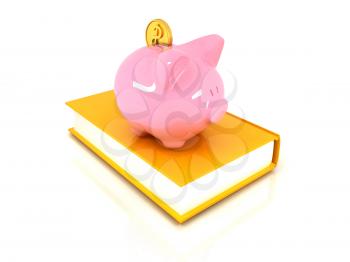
<point>219,161</point>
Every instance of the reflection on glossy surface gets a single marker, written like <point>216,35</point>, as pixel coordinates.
<point>159,232</point>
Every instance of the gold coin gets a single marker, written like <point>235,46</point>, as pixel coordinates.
<point>158,32</point>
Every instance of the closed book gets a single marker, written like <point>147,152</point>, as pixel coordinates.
<point>225,157</point>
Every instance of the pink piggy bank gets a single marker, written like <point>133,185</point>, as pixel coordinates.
<point>172,93</point>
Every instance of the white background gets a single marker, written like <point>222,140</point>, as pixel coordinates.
<point>58,202</point>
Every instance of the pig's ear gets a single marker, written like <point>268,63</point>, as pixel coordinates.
<point>207,48</point>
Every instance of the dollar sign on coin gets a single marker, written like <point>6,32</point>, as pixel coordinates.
<point>158,32</point>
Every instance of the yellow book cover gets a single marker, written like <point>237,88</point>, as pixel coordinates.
<point>219,161</point>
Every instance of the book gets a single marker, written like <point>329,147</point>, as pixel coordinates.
<point>225,157</point>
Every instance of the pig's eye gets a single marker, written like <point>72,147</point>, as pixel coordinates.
<point>184,74</point>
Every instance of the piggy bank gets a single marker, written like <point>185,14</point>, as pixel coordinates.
<point>172,92</point>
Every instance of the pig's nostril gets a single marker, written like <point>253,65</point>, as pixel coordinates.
<point>211,92</point>
<point>217,89</point>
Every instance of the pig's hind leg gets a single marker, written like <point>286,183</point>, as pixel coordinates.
<point>138,131</point>
<point>173,143</point>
